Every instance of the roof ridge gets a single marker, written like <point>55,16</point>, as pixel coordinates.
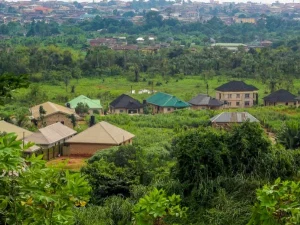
<point>218,116</point>
<point>171,96</point>
<point>109,133</point>
<point>53,105</point>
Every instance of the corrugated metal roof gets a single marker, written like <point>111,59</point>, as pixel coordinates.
<point>51,134</point>
<point>233,117</point>
<point>167,100</point>
<point>102,133</point>
<point>205,100</point>
<point>11,128</point>
<point>50,109</point>
<point>92,103</point>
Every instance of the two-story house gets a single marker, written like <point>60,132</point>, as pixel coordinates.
<point>237,94</point>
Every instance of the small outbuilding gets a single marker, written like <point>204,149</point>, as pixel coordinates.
<point>226,119</point>
<point>101,136</point>
<point>125,104</point>
<point>204,101</point>
<point>280,97</point>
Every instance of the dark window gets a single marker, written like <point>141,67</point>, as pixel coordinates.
<point>247,95</point>
<point>237,103</point>
<point>62,122</point>
<point>286,103</point>
<point>169,109</point>
<point>238,95</point>
<point>247,103</point>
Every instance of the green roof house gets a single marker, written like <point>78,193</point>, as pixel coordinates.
<point>93,104</point>
<point>165,103</point>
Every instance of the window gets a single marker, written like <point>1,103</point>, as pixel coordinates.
<point>237,103</point>
<point>169,109</point>
<point>286,103</point>
<point>247,103</point>
<point>121,110</point>
<point>220,96</point>
<point>237,95</point>
<point>247,95</point>
<point>62,122</point>
<point>229,103</point>
<point>229,95</point>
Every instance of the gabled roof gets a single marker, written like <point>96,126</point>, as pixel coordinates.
<point>167,100</point>
<point>11,128</point>
<point>92,103</point>
<point>51,108</point>
<point>236,86</point>
<point>51,134</point>
<point>233,117</point>
<point>280,96</point>
<point>102,133</point>
<point>205,100</point>
<point>127,102</point>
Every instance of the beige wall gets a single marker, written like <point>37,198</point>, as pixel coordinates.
<point>158,109</point>
<point>54,118</point>
<point>196,107</point>
<point>280,103</point>
<point>87,150</point>
<point>123,110</point>
<point>237,99</point>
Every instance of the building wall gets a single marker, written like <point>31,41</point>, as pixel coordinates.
<point>197,107</point>
<point>237,99</point>
<point>280,103</point>
<point>123,110</point>
<point>57,117</point>
<point>87,150</point>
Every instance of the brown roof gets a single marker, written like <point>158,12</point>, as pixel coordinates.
<point>51,134</point>
<point>51,108</point>
<point>19,131</point>
<point>11,128</point>
<point>102,133</point>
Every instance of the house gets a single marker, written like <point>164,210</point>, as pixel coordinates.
<point>203,101</point>
<point>244,20</point>
<point>237,94</point>
<point>54,113</point>
<point>140,40</point>
<point>280,97</point>
<point>125,104</point>
<point>21,133</point>
<point>230,46</point>
<point>165,103</point>
<point>93,104</point>
<point>226,119</point>
<point>51,139</point>
<point>102,135</point>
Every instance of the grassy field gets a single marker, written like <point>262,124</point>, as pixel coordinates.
<point>106,89</point>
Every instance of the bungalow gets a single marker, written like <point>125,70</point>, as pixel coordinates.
<point>125,104</point>
<point>102,135</point>
<point>226,119</point>
<point>237,94</point>
<point>280,97</point>
<point>53,113</point>
<point>230,46</point>
<point>51,139</point>
<point>93,104</point>
<point>21,133</point>
<point>203,101</point>
<point>165,103</point>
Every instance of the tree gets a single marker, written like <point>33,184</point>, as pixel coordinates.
<point>153,208</point>
<point>32,193</point>
<point>10,82</point>
<point>82,108</point>
<point>289,134</point>
<point>42,113</point>
<point>277,204</point>
<point>73,120</point>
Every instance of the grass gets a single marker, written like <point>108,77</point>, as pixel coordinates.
<point>72,163</point>
<point>106,89</point>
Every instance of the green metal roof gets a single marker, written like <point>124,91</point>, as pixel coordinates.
<point>166,100</point>
<point>92,103</point>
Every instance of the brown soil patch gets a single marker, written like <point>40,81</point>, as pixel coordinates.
<point>71,163</point>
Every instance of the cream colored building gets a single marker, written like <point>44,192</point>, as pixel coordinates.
<point>237,94</point>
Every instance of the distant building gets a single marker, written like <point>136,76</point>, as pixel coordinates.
<point>140,40</point>
<point>227,119</point>
<point>125,104</point>
<point>280,97</point>
<point>230,46</point>
<point>165,103</point>
<point>244,20</point>
<point>203,101</point>
<point>237,94</point>
<point>93,104</point>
